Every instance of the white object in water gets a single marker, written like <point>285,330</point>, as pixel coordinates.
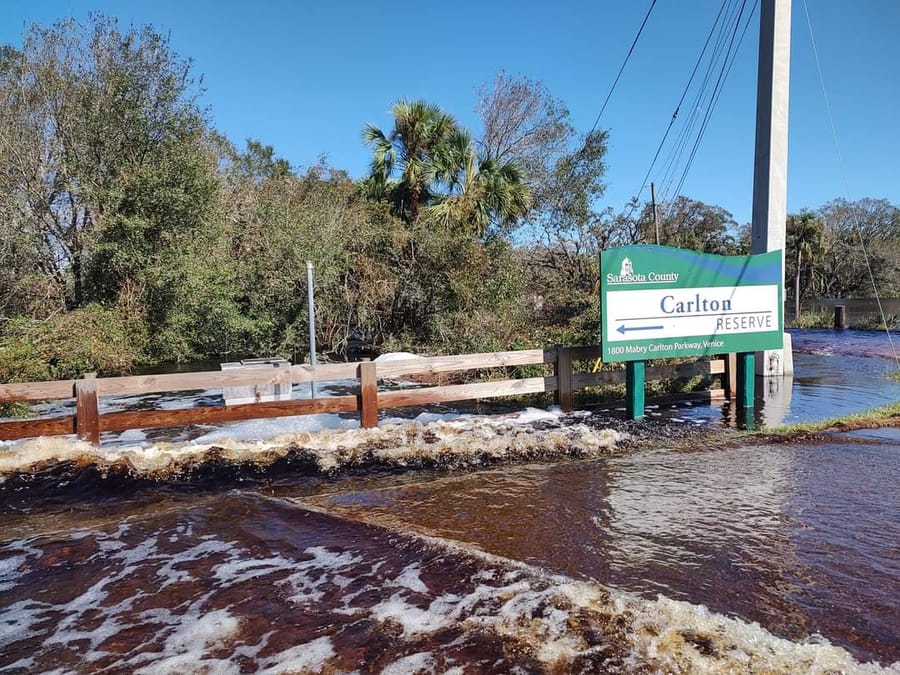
<point>261,393</point>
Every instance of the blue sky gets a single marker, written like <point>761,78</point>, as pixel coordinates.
<point>306,76</point>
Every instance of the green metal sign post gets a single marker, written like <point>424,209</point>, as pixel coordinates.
<point>662,302</point>
<point>634,389</point>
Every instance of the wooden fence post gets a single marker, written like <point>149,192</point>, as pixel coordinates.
<point>564,378</point>
<point>368,395</point>
<point>840,317</point>
<point>729,378</point>
<point>87,409</point>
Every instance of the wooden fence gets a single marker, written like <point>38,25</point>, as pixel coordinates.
<point>88,422</point>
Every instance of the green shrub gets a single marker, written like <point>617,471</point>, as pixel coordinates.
<point>876,322</point>
<point>68,345</point>
<point>820,319</point>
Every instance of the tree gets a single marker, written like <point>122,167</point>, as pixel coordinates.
<point>87,112</point>
<point>523,123</point>
<point>483,192</point>
<point>862,247</point>
<point>428,165</point>
<point>259,162</point>
<point>564,228</point>
<point>411,161</point>
<point>804,248</point>
<point>690,223</point>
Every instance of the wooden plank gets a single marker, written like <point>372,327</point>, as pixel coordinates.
<point>563,370</point>
<point>210,379</point>
<point>368,395</point>
<point>214,379</point>
<point>690,369</point>
<point>325,372</point>
<point>87,410</point>
<point>153,419</point>
<point>217,379</point>
<point>445,364</point>
<point>37,391</point>
<point>581,380</point>
<point>465,392</point>
<point>51,426</point>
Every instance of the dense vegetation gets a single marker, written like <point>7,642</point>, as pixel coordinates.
<point>132,232</point>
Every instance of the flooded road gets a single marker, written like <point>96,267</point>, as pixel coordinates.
<point>774,558</point>
<point>780,558</point>
<point>804,539</point>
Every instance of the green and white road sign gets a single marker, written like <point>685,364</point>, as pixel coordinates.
<point>658,302</point>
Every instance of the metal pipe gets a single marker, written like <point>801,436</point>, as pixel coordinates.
<point>312,323</point>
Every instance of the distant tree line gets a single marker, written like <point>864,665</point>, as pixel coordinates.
<point>132,232</point>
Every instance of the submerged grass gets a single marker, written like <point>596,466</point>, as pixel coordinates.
<point>880,417</point>
<point>883,416</point>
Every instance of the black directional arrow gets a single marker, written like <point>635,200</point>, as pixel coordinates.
<point>622,329</point>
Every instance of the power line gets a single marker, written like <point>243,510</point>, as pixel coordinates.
<point>843,167</point>
<point>676,155</point>
<point>609,94</point>
<point>681,100</point>
<point>730,57</point>
<point>622,68</point>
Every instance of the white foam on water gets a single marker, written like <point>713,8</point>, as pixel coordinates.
<point>413,620</point>
<point>262,429</point>
<point>538,609</point>
<point>22,665</point>
<point>239,571</point>
<point>467,439</point>
<point>132,437</point>
<point>425,418</point>
<point>551,618</point>
<point>421,662</point>
<point>18,619</point>
<point>311,657</point>
<point>185,647</point>
<point>532,415</point>
<point>308,577</point>
<point>661,626</point>
<point>15,566</point>
<point>169,573</point>
<point>410,579</point>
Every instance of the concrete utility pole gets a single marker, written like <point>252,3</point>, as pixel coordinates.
<point>770,166</point>
<point>655,213</point>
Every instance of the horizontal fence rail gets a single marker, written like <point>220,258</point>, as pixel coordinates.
<point>88,423</point>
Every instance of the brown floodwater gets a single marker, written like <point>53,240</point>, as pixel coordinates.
<point>802,538</point>
<point>760,558</point>
<point>776,558</point>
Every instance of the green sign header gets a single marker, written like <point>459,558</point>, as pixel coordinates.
<point>659,302</point>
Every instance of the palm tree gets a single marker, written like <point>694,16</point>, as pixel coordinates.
<point>483,191</point>
<point>428,162</point>
<point>409,151</point>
